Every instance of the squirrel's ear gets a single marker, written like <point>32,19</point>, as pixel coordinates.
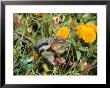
<point>57,38</point>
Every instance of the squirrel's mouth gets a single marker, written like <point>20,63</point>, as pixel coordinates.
<point>61,50</point>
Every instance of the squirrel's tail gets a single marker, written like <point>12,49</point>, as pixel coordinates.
<point>23,38</point>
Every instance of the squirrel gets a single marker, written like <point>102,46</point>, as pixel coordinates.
<point>49,48</point>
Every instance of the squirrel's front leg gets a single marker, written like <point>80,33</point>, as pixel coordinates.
<point>49,56</point>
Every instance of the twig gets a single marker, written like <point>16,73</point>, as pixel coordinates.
<point>63,69</point>
<point>69,69</point>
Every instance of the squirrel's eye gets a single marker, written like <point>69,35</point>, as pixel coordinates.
<point>60,42</point>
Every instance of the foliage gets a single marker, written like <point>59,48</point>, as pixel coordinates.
<point>81,57</point>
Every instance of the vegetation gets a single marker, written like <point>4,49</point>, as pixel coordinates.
<point>80,29</point>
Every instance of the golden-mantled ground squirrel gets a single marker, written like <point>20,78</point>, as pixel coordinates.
<point>51,48</point>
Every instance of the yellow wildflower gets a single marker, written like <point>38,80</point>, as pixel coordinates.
<point>14,50</point>
<point>29,30</point>
<point>87,32</point>
<point>45,67</point>
<point>93,26</point>
<point>45,73</point>
<point>38,14</point>
<point>63,32</point>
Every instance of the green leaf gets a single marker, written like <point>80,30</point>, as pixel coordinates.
<point>23,61</point>
<point>29,66</point>
<point>38,24</point>
<point>30,59</point>
<point>86,16</point>
<point>92,22</point>
<point>78,53</point>
<point>73,42</point>
<point>83,49</point>
<point>93,55</point>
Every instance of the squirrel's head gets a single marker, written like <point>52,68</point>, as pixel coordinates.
<point>59,45</point>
